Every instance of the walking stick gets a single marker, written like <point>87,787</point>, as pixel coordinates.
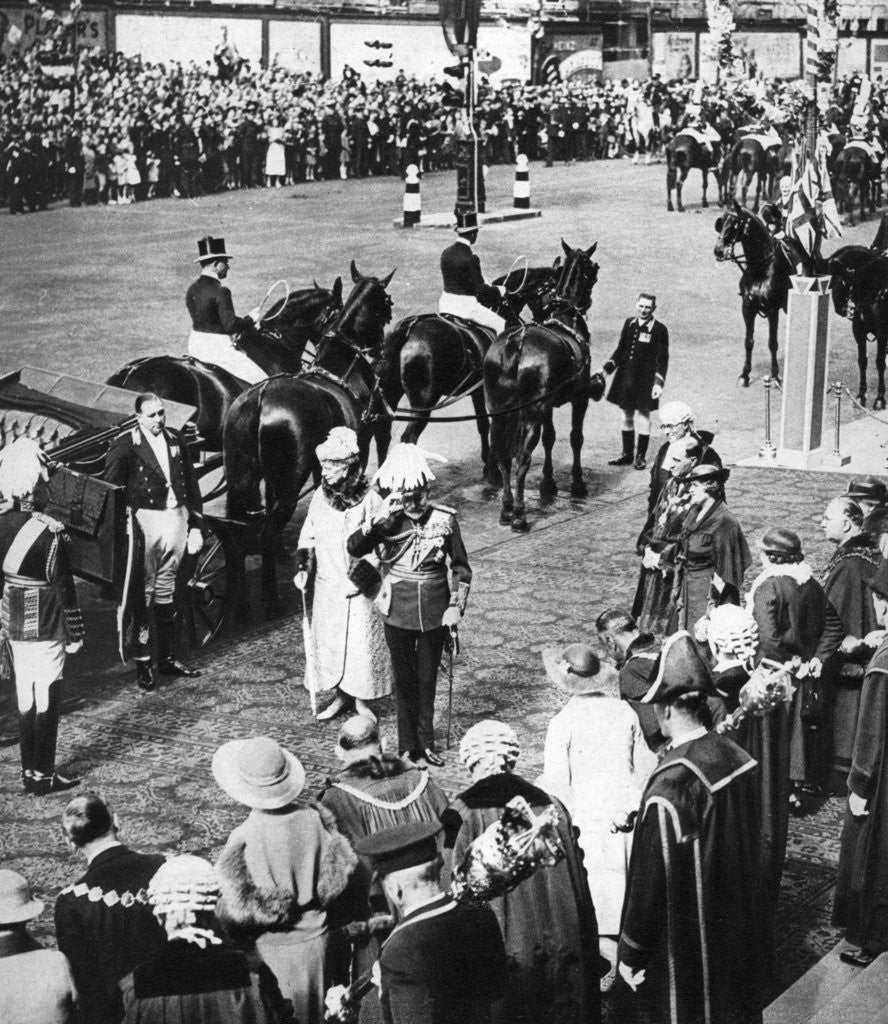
<point>452,648</point>
<point>309,657</point>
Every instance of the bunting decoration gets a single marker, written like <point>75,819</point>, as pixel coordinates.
<point>721,24</point>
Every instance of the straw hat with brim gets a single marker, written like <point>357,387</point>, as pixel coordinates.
<point>16,904</point>
<point>577,669</point>
<point>259,773</point>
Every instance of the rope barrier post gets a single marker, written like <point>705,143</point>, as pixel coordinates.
<point>768,450</point>
<point>837,387</point>
<point>521,189</point>
<point>412,200</point>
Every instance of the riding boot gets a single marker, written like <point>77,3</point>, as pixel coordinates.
<point>167,663</point>
<point>46,730</point>
<point>26,723</point>
<point>628,448</point>
<point>641,451</point>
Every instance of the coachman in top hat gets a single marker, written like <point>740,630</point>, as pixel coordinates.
<point>466,293</point>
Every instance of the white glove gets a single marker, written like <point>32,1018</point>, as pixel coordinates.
<point>74,647</point>
<point>451,617</point>
<point>857,805</point>
<point>254,314</point>
<point>195,541</point>
<point>656,391</point>
<point>632,980</point>
<point>301,580</point>
<point>650,559</point>
<point>849,645</point>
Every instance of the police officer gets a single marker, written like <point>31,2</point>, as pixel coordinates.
<point>41,620</point>
<point>417,542</point>
<point>466,293</point>
<point>213,318</point>
<point>154,466</point>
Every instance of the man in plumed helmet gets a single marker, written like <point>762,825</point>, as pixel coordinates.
<point>420,546</point>
<point>466,293</point>
<point>213,319</point>
<point>690,940</point>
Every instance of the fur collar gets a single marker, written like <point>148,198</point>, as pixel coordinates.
<point>800,572</point>
<point>498,790</point>
<point>388,766</point>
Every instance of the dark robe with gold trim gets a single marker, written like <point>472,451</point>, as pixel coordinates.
<point>692,912</point>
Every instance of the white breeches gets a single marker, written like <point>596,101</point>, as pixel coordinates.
<point>166,533</point>
<point>468,307</point>
<point>219,350</point>
<point>38,664</point>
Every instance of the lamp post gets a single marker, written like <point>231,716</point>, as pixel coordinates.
<point>459,20</point>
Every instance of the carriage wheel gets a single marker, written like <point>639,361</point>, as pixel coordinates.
<point>211,585</point>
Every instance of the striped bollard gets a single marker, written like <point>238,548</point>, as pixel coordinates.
<point>521,189</point>
<point>412,201</point>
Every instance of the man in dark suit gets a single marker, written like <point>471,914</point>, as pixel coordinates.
<point>466,293</point>
<point>444,962</point>
<point>213,320</point>
<point>640,360</point>
<point>104,923</point>
<point>155,467</point>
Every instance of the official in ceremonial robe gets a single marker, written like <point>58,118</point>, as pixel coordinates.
<point>424,592</point>
<point>547,921</point>
<point>714,554</point>
<point>690,939</point>
<point>861,901</point>
<point>213,320</point>
<point>40,616</point>
<point>677,423</point>
<point>845,581</point>
<point>349,655</point>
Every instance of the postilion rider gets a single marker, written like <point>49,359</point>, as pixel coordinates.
<point>415,541</point>
<point>466,294</point>
<point>212,315</point>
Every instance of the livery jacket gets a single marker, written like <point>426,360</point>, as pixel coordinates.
<point>461,270</point>
<point>641,360</point>
<point>211,308</point>
<point>443,964</point>
<point>414,557</point>
<point>131,463</point>
<point>39,596</point>
<point>105,926</point>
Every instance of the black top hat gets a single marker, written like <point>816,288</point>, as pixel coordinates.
<point>466,221</point>
<point>404,846</point>
<point>209,248</point>
<point>680,670</point>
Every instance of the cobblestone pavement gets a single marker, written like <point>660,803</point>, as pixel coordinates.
<point>76,274</point>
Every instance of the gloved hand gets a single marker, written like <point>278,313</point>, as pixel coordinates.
<point>633,980</point>
<point>857,805</point>
<point>451,617</point>
<point>301,580</point>
<point>254,314</point>
<point>195,541</point>
<point>74,647</point>
<point>656,391</point>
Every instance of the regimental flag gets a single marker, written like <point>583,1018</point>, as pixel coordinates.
<point>832,223</point>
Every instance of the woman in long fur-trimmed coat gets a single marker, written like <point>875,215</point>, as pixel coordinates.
<point>279,872</point>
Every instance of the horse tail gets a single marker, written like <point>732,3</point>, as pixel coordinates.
<point>240,446</point>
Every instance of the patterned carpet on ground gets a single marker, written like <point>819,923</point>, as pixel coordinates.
<point>150,754</point>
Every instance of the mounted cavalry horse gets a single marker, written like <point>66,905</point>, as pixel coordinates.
<point>531,370</point>
<point>766,265</point>
<point>860,294</point>
<point>433,355</point>
<point>684,152</point>
<point>273,428</point>
<point>750,158</point>
<point>277,345</point>
<point>856,179</point>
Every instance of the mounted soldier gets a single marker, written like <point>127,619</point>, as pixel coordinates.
<point>466,294</point>
<point>214,322</point>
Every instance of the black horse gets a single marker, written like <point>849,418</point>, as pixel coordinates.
<point>273,428</point>
<point>531,370</point>
<point>856,180</point>
<point>749,159</point>
<point>683,153</point>
<point>860,293</point>
<point>430,356</point>
<point>764,282</point>
<point>277,345</point>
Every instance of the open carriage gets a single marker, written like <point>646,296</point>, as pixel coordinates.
<point>75,421</point>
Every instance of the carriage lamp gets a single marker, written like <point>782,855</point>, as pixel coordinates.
<point>768,450</point>
<point>837,387</point>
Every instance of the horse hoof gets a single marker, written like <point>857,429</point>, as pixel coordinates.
<point>670,208</point>
<point>579,490</point>
<point>548,489</point>
<point>505,517</point>
<point>743,380</point>
<point>519,525</point>
<point>879,403</point>
<point>862,400</point>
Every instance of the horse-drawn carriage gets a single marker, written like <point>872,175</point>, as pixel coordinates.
<point>75,421</point>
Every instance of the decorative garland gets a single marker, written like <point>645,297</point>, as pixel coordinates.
<point>721,24</point>
<point>827,38</point>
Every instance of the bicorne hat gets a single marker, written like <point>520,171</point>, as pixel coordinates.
<point>680,671</point>
<point>209,248</point>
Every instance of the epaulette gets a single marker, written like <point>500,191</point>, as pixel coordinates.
<point>443,508</point>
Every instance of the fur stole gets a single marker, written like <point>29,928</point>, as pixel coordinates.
<point>388,766</point>
<point>248,905</point>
